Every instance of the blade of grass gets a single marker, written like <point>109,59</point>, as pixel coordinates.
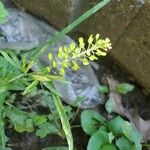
<point>63,117</point>
<point>2,131</point>
<point>64,120</point>
<point>38,51</point>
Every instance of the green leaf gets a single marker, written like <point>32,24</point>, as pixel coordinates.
<point>64,120</point>
<point>116,126</point>
<point>124,88</point>
<point>132,135</point>
<point>75,66</point>
<point>90,121</point>
<point>31,87</point>
<point>39,119</point>
<point>98,139</point>
<point>103,88</point>
<point>3,12</point>
<point>111,137</point>
<point>109,147</point>
<point>46,129</point>
<point>109,106</point>
<point>56,148</point>
<point>123,144</point>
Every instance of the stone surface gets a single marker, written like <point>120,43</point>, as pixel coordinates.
<point>111,21</point>
<point>24,32</point>
<point>56,12</point>
<point>133,49</point>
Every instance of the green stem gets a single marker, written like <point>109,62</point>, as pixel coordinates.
<point>70,27</point>
<point>2,130</point>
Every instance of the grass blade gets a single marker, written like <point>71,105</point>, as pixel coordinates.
<point>64,120</point>
<point>38,51</point>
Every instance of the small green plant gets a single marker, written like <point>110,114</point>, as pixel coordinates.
<point>3,12</point>
<point>109,134</point>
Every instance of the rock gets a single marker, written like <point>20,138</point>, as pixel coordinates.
<point>24,32</point>
<point>113,21</point>
<point>133,48</point>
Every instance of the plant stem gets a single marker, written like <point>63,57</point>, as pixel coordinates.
<point>53,40</point>
<point>2,131</point>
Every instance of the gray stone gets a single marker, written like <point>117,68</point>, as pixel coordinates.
<point>23,32</point>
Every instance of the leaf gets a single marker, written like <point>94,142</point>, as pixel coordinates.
<point>62,71</point>
<point>132,135</point>
<point>98,139</point>
<point>123,144</point>
<point>109,147</point>
<point>75,66</point>
<point>30,88</point>
<point>39,119</point>
<point>46,129</point>
<point>103,88</point>
<point>56,148</point>
<point>111,137</point>
<point>115,126</point>
<point>41,77</point>
<point>124,88</point>
<point>90,121</point>
<point>64,120</point>
<point>3,12</point>
<point>109,106</point>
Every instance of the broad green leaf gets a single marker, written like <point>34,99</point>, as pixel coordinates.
<point>123,144</point>
<point>116,126</point>
<point>132,135</point>
<point>124,88</point>
<point>109,147</point>
<point>3,12</point>
<point>98,139</point>
<point>90,121</point>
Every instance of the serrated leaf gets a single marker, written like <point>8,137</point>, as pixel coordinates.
<point>45,129</point>
<point>124,88</point>
<point>90,121</point>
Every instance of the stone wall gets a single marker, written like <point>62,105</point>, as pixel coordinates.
<point>125,22</point>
